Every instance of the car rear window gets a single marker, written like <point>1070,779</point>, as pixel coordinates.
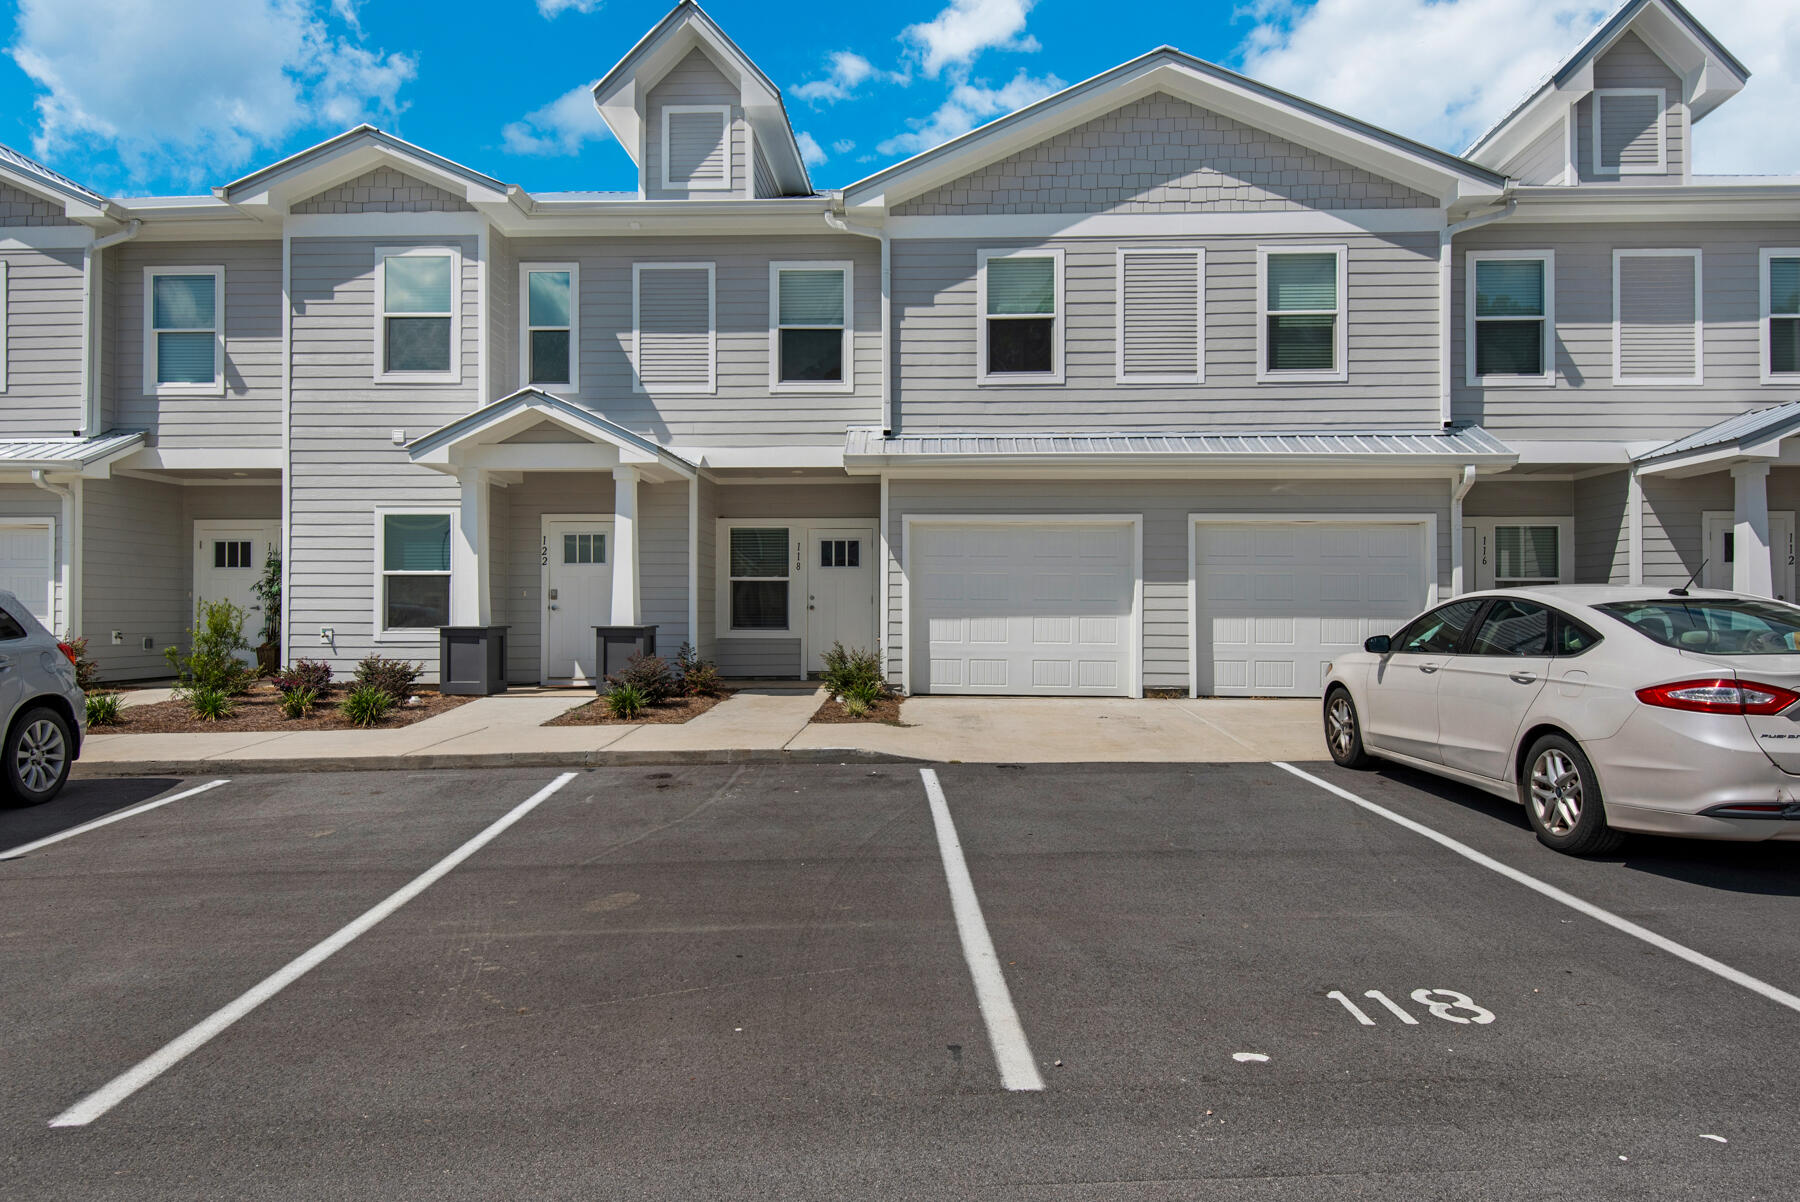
<point>10,627</point>
<point>1713,625</point>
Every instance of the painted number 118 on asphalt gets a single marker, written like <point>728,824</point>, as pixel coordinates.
<point>1447,1004</point>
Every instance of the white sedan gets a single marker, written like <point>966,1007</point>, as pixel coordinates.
<point>1600,708</point>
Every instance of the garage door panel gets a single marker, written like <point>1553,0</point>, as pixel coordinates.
<point>25,567</point>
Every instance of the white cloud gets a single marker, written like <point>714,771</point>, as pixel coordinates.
<point>843,146</point>
<point>848,70</point>
<point>1453,67</point>
<point>811,153</point>
<point>190,88</point>
<point>965,28</point>
<point>552,9</point>
<point>561,127</point>
<point>970,104</point>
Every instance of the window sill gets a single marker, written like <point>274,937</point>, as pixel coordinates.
<point>417,377</point>
<point>1156,381</point>
<point>728,633</point>
<point>1512,381</point>
<point>1302,377</point>
<point>1677,382</point>
<point>162,390</point>
<point>1769,380</point>
<point>411,636</point>
<point>1013,379</point>
<point>640,389</point>
<point>801,387</point>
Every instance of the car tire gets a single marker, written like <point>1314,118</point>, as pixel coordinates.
<point>1562,799</point>
<point>38,753</point>
<point>1343,730</point>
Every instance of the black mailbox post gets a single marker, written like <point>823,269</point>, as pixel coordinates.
<point>472,660</point>
<point>614,645</point>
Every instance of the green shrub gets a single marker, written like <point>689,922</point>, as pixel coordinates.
<point>853,668</point>
<point>87,672</point>
<point>305,674</point>
<point>863,696</point>
<point>366,704</point>
<point>695,677</point>
<point>649,675</point>
<point>210,704</point>
<point>214,644</point>
<point>297,703</point>
<point>625,702</point>
<point>392,676</point>
<point>103,709</point>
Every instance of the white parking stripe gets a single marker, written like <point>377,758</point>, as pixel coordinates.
<point>173,1052</point>
<point>13,853</point>
<point>1012,1053</point>
<point>1780,997</point>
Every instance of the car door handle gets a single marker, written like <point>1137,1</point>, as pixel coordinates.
<point>1428,669</point>
<point>1522,678</point>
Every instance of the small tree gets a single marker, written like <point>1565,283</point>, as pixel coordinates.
<point>268,591</point>
<point>214,645</point>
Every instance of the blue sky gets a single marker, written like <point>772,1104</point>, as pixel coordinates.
<point>160,96</point>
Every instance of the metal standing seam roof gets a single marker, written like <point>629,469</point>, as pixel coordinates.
<point>1465,444</point>
<point>77,452</point>
<point>1760,424</point>
<point>61,183</point>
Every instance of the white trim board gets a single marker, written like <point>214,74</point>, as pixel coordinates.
<point>1180,225</point>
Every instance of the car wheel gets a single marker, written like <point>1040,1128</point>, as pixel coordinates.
<point>37,756</point>
<point>1562,799</point>
<point>1343,731</point>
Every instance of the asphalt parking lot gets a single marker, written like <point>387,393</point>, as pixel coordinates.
<point>756,982</point>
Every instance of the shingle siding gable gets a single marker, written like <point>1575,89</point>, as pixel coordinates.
<point>384,190</point>
<point>18,207</point>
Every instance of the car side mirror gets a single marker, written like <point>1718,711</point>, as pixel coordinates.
<point>1379,644</point>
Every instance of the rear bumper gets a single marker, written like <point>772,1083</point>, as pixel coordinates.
<point>1665,769</point>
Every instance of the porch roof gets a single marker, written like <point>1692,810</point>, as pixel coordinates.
<point>869,449</point>
<point>1753,435</point>
<point>477,439</point>
<point>67,454</point>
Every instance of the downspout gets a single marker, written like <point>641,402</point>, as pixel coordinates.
<point>71,548</point>
<point>1459,488</point>
<point>1446,328</point>
<point>93,310</point>
<point>887,366</point>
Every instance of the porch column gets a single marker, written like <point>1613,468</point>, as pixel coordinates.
<point>625,610</point>
<point>1750,570</point>
<point>471,564</point>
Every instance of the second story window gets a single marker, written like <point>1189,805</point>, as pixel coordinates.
<point>184,336</point>
<point>1509,317</point>
<point>1781,316</point>
<point>809,340</point>
<point>550,311</point>
<point>417,315</point>
<point>1019,300</point>
<point>1301,331</point>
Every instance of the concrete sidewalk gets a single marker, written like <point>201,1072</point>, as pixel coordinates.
<point>757,723</point>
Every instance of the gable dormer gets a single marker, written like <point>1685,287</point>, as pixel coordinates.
<point>1621,108</point>
<point>699,119</point>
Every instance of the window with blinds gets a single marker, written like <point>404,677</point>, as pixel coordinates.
<point>1303,314</point>
<point>1161,316</point>
<point>1526,555</point>
<point>672,319</point>
<point>550,313</point>
<point>809,338</point>
<point>759,577</point>
<point>1656,317</point>
<point>697,147</point>
<point>1020,315</point>
<point>415,570</point>
<point>1781,315</point>
<point>1629,135</point>
<point>1509,326</point>
<point>184,344</point>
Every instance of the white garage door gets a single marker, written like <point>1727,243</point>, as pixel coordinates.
<point>1044,610</point>
<point>1279,600</point>
<point>25,568</point>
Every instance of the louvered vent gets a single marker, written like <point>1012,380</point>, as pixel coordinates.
<point>1160,302</point>
<point>1631,132</point>
<point>698,150</point>
<point>674,329</point>
<point>1658,323</point>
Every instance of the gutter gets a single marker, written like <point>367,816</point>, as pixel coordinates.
<point>71,549</point>
<point>1446,275</point>
<point>93,313</point>
<point>836,222</point>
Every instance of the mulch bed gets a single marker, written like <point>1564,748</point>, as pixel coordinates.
<point>260,709</point>
<point>681,709</point>
<point>887,710</point>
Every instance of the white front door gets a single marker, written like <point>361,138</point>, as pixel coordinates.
<point>25,568</point>
<point>577,557</point>
<point>840,592</point>
<point>228,561</point>
<point>1721,551</point>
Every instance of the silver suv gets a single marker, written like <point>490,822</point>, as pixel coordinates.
<point>46,715</point>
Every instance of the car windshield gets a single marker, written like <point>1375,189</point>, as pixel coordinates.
<point>1713,625</point>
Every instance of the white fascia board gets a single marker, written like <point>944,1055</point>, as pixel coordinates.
<point>385,225</point>
<point>240,459</point>
<point>333,167</point>
<point>47,237</point>
<point>1617,203</point>
<point>978,467</point>
<point>644,219</point>
<point>1179,225</point>
<point>1570,451</point>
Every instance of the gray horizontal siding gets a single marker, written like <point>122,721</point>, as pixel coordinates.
<point>138,575</point>
<point>694,80</point>
<point>856,499</point>
<point>1393,344</point>
<point>1674,532</point>
<point>1164,506</point>
<point>1602,529</point>
<point>1632,64</point>
<point>1520,499</point>
<point>1584,403</point>
<point>44,343</point>
<point>1544,161</point>
<point>758,657</point>
<point>249,414</point>
<point>503,304</point>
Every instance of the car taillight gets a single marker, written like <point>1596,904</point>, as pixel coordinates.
<point>1720,696</point>
<point>67,650</point>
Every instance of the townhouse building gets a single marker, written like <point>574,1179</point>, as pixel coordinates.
<point>1172,380</point>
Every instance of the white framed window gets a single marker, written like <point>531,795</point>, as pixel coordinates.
<point>1657,318</point>
<point>811,344</point>
<point>759,572</point>
<point>696,147</point>
<point>1300,301</point>
<point>1630,134</point>
<point>412,571</point>
<point>184,331</point>
<point>1518,552</point>
<point>1019,316</point>
<point>1510,317</point>
<point>673,334</point>
<point>1780,315</point>
<point>418,315</point>
<point>1161,316</point>
<point>550,326</point>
